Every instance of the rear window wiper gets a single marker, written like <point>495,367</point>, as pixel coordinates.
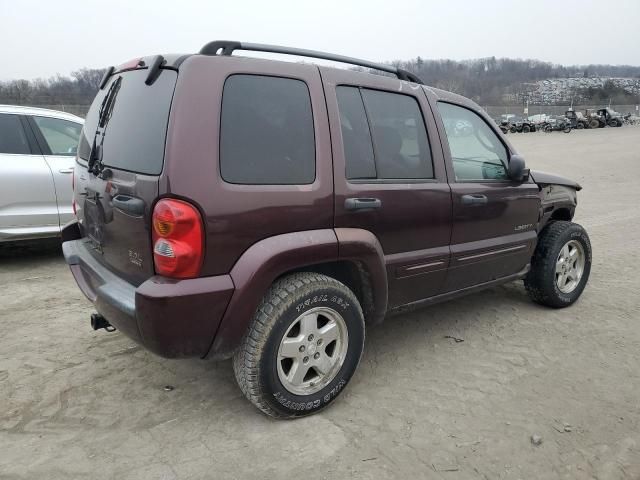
<point>95,164</point>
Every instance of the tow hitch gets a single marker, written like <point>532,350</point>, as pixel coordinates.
<point>98,322</point>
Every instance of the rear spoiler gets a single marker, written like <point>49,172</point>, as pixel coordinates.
<point>156,63</point>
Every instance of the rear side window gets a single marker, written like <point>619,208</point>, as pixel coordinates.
<point>134,124</point>
<point>12,136</point>
<point>61,135</point>
<point>384,135</point>
<point>266,132</point>
<point>356,138</point>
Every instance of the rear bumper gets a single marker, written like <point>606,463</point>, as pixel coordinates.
<point>172,318</point>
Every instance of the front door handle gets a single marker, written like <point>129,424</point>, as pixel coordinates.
<point>474,200</point>
<point>66,170</point>
<point>362,203</point>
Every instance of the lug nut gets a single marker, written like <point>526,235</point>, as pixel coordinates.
<point>305,359</point>
<point>319,341</point>
<point>301,349</point>
<point>311,337</point>
<point>316,355</point>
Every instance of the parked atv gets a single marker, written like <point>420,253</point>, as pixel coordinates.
<point>560,124</point>
<point>576,119</point>
<point>594,119</point>
<point>523,126</point>
<point>505,126</point>
<point>610,117</point>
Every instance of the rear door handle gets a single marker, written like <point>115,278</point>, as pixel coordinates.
<point>474,199</point>
<point>362,203</point>
<point>128,204</point>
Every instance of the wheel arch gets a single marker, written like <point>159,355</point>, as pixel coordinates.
<point>352,256</point>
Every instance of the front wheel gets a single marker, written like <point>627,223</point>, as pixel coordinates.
<point>560,266</point>
<point>303,346</point>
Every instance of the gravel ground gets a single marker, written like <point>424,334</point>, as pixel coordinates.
<point>80,404</point>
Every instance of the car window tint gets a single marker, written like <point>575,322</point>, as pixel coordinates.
<point>12,135</point>
<point>266,132</point>
<point>476,151</point>
<point>399,135</point>
<point>356,137</point>
<point>61,135</point>
<point>135,130</point>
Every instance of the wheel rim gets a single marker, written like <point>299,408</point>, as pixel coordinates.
<point>570,266</point>
<point>312,351</point>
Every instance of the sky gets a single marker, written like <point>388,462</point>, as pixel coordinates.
<point>39,39</point>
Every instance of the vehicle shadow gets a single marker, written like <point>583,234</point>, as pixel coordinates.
<point>29,250</point>
<point>467,319</point>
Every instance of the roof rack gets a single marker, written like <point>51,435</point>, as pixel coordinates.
<point>227,47</point>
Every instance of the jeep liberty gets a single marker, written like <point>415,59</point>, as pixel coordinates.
<point>267,211</point>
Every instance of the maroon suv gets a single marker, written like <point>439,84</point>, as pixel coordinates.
<point>266,210</point>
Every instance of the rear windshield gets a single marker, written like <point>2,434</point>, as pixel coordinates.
<point>136,127</point>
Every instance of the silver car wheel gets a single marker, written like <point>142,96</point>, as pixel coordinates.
<point>570,266</point>
<point>312,351</point>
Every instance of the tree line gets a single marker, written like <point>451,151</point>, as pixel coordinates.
<point>485,80</point>
<point>78,89</point>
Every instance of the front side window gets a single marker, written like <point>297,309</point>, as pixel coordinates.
<point>61,135</point>
<point>476,151</point>
<point>383,134</point>
<point>266,132</point>
<point>12,136</point>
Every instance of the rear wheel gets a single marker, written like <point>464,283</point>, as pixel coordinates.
<point>560,266</point>
<point>594,123</point>
<point>526,129</point>
<point>580,126</point>
<point>303,346</point>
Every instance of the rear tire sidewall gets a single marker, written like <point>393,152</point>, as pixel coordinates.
<point>278,397</point>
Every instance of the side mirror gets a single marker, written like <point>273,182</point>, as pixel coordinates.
<point>518,172</point>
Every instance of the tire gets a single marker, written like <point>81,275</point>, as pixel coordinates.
<point>526,129</point>
<point>548,129</point>
<point>580,126</point>
<point>513,129</point>
<point>613,123</point>
<point>261,371</point>
<point>594,123</point>
<point>543,282</point>
<point>567,129</point>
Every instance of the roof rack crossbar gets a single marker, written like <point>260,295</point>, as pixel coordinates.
<point>227,47</point>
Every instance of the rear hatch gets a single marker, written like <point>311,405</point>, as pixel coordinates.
<point>120,158</point>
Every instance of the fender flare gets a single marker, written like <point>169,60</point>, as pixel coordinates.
<point>362,246</point>
<point>262,263</point>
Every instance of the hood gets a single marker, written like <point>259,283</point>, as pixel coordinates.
<point>543,178</point>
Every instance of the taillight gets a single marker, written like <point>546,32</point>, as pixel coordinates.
<point>178,248</point>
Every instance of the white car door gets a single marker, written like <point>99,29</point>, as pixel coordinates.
<point>60,138</point>
<point>27,197</point>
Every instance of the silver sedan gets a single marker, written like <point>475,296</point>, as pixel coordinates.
<point>37,155</point>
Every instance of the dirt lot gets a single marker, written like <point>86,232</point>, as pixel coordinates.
<point>79,404</point>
